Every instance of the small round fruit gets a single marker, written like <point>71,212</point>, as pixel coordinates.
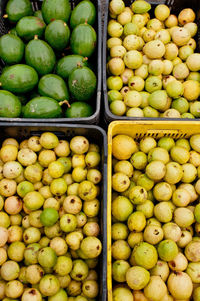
<point>145,255</point>
<point>180,285</point>
<point>122,293</point>
<point>156,284</point>
<point>137,277</point>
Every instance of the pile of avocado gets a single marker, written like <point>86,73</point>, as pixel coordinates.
<point>39,80</point>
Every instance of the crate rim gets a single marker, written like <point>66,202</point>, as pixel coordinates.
<point>94,118</point>
<point>108,115</point>
<point>141,123</point>
<point>103,297</point>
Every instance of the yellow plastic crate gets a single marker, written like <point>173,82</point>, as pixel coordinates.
<point>139,130</point>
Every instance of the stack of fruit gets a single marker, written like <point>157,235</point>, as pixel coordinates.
<point>32,52</point>
<point>156,219</point>
<point>49,229</point>
<point>153,70</point>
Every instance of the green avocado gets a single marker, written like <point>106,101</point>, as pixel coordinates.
<point>17,9</point>
<point>38,13</point>
<point>11,49</point>
<point>84,12</point>
<point>83,40</point>
<point>19,78</point>
<point>10,105</point>
<point>56,10</point>
<point>31,26</point>
<point>40,56</point>
<point>68,63</point>
<point>57,34</point>
<point>13,31</point>
<point>79,109</point>
<point>42,107</point>
<point>82,84</point>
<point>53,86</point>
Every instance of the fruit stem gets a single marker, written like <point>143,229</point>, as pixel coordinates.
<point>64,102</point>
<point>5,16</point>
<point>85,59</point>
<point>36,37</point>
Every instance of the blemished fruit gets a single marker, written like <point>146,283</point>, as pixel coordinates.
<point>160,53</point>
<point>49,235</point>
<point>155,220</point>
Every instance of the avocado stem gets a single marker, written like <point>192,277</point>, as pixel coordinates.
<point>85,59</point>
<point>64,102</point>
<point>5,16</point>
<point>36,37</point>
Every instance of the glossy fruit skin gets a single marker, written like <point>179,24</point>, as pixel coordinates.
<point>42,107</point>
<point>28,27</point>
<point>10,105</point>
<point>66,65</point>
<point>79,109</point>
<point>83,40</point>
<point>57,35</point>
<point>40,56</point>
<point>82,83</point>
<point>19,78</point>
<point>84,12</point>
<point>11,49</point>
<point>56,10</point>
<point>38,13</point>
<point>17,9</point>
<point>53,86</point>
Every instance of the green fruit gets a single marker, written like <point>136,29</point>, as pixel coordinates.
<point>56,10</point>
<point>158,100</point>
<point>24,187</point>
<point>175,89</point>
<point>79,109</point>
<point>137,277</point>
<point>140,7</point>
<point>42,107</point>
<point>10,105</point>
<point>83,40</point>
<point>153,83</point>
<point>121,208</point>
<point>167,250</point>
<point>57,35</point>
<point>49,285</point>
<point>17,9</point>
<point>53,86</point>
<point>47,257</point>
<point>38,13</point>
<point>181,105</point>
<point>68,63</point>
<point>122,293</point>
<point>84,12</point>
<point>40,56</point>
<point>145,255</point>
<point>119,269</point>
<point>68,223</point>
<point>61,295</point>
<point>33,200</point>
<point>28,27</point>
<point>49,217</point>
<point>82,83</point>
<point>11,49</point>
<point>19,78</point>
<point>136,221</point>
<point>13,31</point>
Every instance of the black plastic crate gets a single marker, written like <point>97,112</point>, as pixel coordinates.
<point>96,59</point>
<point>175,6</point>
<point>94,134</point>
